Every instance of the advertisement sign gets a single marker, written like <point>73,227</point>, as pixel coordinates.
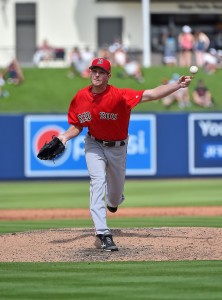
<point>141,151</point>
<point>205,143</point>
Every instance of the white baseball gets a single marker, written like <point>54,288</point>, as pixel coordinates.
<point>193,69</point>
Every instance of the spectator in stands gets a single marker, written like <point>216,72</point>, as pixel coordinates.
<point>13,73</point>
<point>210,61</point>
<point>3,93</point>
<point>185,43</point>
<point>201,45</point>
<point>113,49</point>
<point>80,62</point>
<point>201,95</point>
<point>132,69</point>
<point>104,52</point>
<point>169,49</point>
<point>181,96</point>
<point>116,45</point>
<point>45,52</point>
<point>87,56</point>
<point>59,54</point>
<point>119,57</point>
<point>75,62</point>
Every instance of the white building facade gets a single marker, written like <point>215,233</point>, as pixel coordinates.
<point>24,24</point>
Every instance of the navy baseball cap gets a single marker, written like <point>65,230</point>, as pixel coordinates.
<point>101,63</point>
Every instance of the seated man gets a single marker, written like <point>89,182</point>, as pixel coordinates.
<point>13,73</point>
<point>79,62</point>
<point>181,96</point>
<point>210,61</point>
<point>44,53</point>
<point>132,69</point>
<point>201,95</point>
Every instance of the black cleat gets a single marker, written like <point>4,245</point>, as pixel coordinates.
<point>107,243</point>
<point>112,209</point>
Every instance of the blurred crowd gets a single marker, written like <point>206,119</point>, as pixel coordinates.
<point>128,66</point>
<point>201,96</point>
<point>192,47</point>
<point>79,59</point>
<point>47,52</point>
<point>184,49</point>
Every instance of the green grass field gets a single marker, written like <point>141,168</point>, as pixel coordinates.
<point>196,280</point>
<point>138,193</point>
<point>50,90</point>
<point>199,280</point>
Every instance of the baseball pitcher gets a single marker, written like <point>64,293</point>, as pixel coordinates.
<point>105,110</point>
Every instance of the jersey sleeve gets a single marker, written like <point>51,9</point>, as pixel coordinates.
<point>132,97</point>
<point>72,117</point>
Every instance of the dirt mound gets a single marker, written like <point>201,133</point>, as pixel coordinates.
<point>135,244</point>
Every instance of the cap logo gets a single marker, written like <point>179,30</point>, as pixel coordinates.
<point>100,61</point>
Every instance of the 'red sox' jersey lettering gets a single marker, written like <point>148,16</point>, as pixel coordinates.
<point>108,116</point>
<point>84,117</point>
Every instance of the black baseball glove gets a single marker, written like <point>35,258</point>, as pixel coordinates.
<point>51,150</point>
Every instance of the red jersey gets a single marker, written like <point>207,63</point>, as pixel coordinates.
<point>107,114</point>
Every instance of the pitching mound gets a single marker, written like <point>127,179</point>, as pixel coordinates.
<point>137,244</point>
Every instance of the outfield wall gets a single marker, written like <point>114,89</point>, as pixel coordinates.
<point>160,146</point>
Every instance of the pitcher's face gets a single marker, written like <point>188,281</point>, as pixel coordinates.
<point>99,77</point>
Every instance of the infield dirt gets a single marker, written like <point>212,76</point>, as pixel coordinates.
<point>135,244</point>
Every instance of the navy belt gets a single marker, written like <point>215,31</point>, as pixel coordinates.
<point>108,143</point>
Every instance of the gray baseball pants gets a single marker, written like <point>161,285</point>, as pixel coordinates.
<point>106,167</point>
